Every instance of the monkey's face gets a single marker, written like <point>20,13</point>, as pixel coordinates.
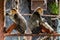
<point>13,12</point>
<point>40,11</point>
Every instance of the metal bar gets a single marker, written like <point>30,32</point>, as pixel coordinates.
<point>41,34</point>
<point>41,15</point>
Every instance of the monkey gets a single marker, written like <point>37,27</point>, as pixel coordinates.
<point>38,23</point>
<point>20,21</point>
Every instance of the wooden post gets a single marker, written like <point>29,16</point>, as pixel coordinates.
<point>1,19</point>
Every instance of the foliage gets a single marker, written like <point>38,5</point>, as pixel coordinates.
<point>53,8</point>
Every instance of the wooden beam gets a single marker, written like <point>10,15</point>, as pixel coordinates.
<point>1,19</point>
<point>9,30</point>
